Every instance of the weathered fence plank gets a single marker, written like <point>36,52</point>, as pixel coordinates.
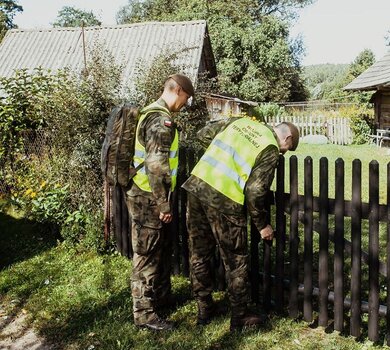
<point>339,247</point>
<point>356,239</point>
<point>323,273</point>
<point>280,236</point>
<point>294,238</point>
<point>373,260</point>
<point>308,241</point>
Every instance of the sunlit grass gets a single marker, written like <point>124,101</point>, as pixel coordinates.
<point>81,300</point>
<point>365,153</point>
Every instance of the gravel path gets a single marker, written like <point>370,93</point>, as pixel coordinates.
<point>15,335</point>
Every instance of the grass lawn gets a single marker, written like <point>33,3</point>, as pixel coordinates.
<point>79,299</point>
<point>365,153</point>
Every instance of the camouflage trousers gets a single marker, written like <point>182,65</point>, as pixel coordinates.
<point>208,228</point>
<point>150,280</point>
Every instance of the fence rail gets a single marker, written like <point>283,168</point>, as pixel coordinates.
<point>336,129</point>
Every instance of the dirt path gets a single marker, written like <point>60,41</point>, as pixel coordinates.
<point>15,335</point>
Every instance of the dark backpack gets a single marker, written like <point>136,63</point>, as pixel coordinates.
<point>118,146</point>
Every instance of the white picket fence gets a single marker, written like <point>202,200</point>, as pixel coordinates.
<point>336,129</point>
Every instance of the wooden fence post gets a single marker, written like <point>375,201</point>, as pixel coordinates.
<point>339,247</point>
<point>356,238</point>
<point>294,238</point>
<point>373,258</point>
<point>308,241</point>
<point>323,273</point>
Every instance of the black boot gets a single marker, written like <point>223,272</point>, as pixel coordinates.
<point>206,310</point>
<point>158,324</point>
<point>246,320</point>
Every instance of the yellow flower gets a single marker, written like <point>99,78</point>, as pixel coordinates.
<point>43,184</point>
<point>33,195</point>
<point>28,191</point>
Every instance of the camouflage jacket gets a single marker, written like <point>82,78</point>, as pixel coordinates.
<point>156,134</point>
<point>257,186</point>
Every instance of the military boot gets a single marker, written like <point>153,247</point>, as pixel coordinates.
<point>206,310</point>
<point>158,324</point>
<point>246,320</point>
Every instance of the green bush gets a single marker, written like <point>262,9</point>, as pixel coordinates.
<point>267,111</point>
<point>62,184</point>
<point>361,122</point>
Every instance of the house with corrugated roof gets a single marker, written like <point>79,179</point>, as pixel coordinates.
<point>57,48</point>
<point>376,77</point>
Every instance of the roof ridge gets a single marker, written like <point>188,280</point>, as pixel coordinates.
<point>112,26</point>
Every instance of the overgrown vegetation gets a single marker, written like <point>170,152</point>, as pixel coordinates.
<point>52,127</point>
<point>326,81</point>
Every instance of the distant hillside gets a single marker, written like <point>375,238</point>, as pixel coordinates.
<point>321,78</point>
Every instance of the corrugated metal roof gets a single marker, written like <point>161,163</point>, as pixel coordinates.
<point>377,76</point>
<point>56,48</point>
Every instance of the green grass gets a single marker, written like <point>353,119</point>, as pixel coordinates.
<point>366,154</point>
<point>79,299</point>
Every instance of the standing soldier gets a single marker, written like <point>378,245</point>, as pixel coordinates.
<point>149,203</point>
<point>235,173</point>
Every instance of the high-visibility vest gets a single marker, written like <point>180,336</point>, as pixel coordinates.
<point>141,179</point>
<point>228,161</point>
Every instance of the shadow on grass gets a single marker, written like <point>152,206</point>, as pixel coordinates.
<point>21,239</point>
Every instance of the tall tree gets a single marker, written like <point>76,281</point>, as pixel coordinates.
<point>254,55</point>
<point>8,9</point>
<point>363,60</point>
<point>70,16</point>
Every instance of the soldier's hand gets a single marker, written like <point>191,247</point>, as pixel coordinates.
<point>267,233</point>
<point>166,218</point>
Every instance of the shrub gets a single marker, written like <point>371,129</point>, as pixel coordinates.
<point>267,111</point>
<point>361,122</point>
<point>61,184</point>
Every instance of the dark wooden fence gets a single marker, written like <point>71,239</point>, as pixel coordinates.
<point>311,270</point>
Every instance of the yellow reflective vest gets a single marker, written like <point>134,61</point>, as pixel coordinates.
<point>141,179</point>
<point>228,161</point>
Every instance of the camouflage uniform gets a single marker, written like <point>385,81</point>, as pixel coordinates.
<point>150,281</point>
<point>214,219</point>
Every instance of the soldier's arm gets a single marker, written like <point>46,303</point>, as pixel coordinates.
<point>258,185</point>
<point>159,134</point>
<point>212,128</point>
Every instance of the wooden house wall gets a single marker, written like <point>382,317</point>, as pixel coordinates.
<point>384,110</point>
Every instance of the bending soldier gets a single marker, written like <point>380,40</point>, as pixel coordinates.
<point>234,173</point>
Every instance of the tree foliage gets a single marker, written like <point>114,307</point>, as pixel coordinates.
<point>326,82</point>
<point>255,58</point>
<point>8,9</point>
<point>70,16</point>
